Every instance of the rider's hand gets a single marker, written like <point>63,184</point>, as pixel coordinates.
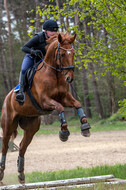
<point>36,53</point>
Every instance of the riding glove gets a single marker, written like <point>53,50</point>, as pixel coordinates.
<point>36,53</point>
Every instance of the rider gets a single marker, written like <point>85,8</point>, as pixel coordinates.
<point>35,49</point>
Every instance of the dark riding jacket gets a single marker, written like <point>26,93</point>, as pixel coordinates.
<point>37,42</point>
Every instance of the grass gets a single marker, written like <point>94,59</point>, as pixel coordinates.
<point>74,126</point>
<point>118,170</point>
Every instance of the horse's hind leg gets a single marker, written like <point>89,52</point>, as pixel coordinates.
<point>30,126</point>
<point>9,126</point>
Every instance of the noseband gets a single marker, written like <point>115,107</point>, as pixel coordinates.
<point>59,57</point>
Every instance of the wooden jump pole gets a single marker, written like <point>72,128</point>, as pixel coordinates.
<point>58,183</point>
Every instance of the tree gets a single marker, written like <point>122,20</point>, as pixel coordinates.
<point>12,65</point>
<point>100,52</point>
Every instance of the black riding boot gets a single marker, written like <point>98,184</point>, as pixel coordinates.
<point>20,96</point>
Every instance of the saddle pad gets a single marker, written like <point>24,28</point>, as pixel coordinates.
<point>16,88</point>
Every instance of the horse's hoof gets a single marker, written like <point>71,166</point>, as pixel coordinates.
<point>1,174</point>
<point>21,178</point>
<point>63,135</point>
<point>85,130</point>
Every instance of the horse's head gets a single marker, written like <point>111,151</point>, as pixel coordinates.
<point>65,55</point>
<point>60,54</point>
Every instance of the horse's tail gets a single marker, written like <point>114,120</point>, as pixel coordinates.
<point>14,134</point>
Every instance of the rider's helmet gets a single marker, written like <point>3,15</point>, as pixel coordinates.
<point>50,25</point>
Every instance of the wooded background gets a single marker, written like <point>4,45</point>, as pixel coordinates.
<point>100,58</point>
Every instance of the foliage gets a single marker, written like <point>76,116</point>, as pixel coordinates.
<point>101,39</point>
<point>122,110</point>
<point>105,43</point>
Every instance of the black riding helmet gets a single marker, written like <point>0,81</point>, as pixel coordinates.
<point>50,25</point>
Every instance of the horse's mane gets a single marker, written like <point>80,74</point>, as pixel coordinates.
<point>65,37</point>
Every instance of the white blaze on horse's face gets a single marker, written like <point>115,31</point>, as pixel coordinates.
<point>68,52</point>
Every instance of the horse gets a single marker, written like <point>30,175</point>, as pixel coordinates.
<point>50,88</point>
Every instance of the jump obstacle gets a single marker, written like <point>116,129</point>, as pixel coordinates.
<point>68,183</point>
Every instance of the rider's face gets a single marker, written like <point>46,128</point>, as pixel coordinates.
<point>50,33</point>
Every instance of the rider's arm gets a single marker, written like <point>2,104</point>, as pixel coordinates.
<point>33,42</point>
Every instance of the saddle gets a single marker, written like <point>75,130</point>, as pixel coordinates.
<point>29,75</point>
<point>27,86</point>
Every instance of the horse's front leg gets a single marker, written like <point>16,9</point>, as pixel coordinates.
<point>30,126</point>
<point>50,104</point>
<point>70,101</point>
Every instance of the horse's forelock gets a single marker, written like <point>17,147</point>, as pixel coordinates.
<point>65,37</point>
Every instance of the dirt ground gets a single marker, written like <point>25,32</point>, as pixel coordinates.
<point>48,153</point>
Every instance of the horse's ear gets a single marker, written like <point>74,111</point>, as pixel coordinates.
<point>72,38</point>
<point>59,38</point>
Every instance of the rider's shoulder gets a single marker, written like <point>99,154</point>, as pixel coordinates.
<point>41,36</point>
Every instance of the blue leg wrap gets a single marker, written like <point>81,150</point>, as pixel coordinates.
<point>2,163</point>
<point>81,113</point>
<point>62,118</point>
<point>20,164</point>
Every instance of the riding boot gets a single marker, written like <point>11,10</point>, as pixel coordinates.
<point>20,96</point>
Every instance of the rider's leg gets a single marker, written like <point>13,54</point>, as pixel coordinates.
<point>27,63</point>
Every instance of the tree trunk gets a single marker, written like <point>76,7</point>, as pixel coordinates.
<point>24,36</point>
<point>37,23</point>
<point>91,70</point>
<point>110,81</point>
<point>12,65</point>
<point>84,76</point>
<point>86,93</point>
<point>67,24</point>
<point>3,64</point>
<point>96,93</point>
<point>74,94</point>
<point>60,16</point>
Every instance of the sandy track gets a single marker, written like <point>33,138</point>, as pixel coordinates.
<point>48,153</point>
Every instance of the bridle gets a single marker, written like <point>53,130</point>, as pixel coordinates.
<point>59,57</point>
<point>61,68</point>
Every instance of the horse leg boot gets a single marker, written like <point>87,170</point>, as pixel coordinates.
<point>20,96</point>
<point>20,164</point>
<point>2,166</point>
<point>85,126</point>
<point>64,132</point>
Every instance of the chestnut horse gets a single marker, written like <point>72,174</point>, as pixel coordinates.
<point>50,87</point>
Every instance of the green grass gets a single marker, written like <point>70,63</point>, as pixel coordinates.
<point>118,170</point>
<point>109,124</point>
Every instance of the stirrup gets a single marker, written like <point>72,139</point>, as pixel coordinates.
<point>20,101</point>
